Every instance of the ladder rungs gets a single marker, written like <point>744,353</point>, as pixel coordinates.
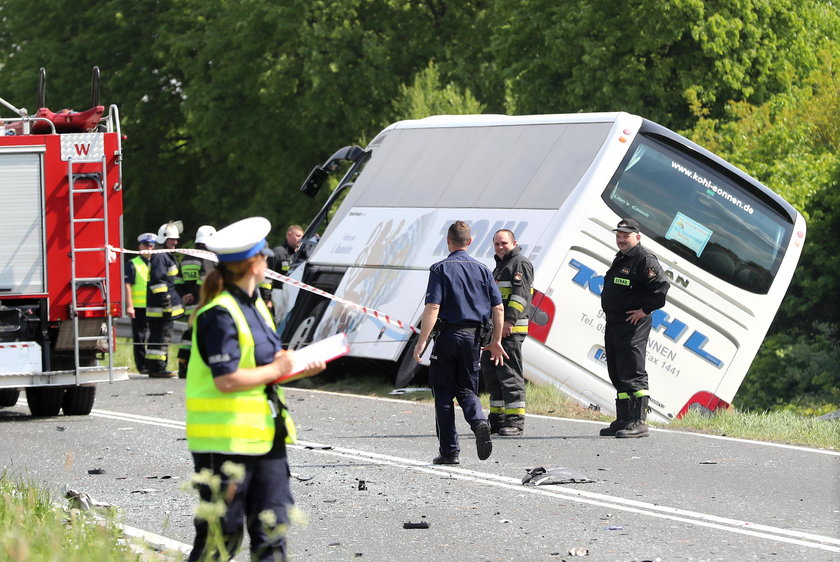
<point>88,249</point>
<point>90,338</point>
<point>85,191</point>
<point>90,308</point>
<point>89,279</point>
<point>95,219</point>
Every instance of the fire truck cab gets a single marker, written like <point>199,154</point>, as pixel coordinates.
<point>60,281</point>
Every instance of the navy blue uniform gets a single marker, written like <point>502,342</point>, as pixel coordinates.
<point>634,281</point>
<point>163,305</point>
<point>266,484</point>
<point>139,323</point>
<point>465,290</point>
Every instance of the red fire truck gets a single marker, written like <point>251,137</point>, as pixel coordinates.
<point>60,283</point>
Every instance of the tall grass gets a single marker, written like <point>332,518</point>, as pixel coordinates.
<point>778,427</point>
<point>34,529</point>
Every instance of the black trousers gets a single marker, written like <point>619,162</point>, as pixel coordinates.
<point>140,338</point>
<point>160,335</point>
<point>626,347</point>
<point>453,375</point>
<point>261,499</point>
<point>506,383</point>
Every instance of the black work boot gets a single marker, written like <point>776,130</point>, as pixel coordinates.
<point>514,426</point>
<point>623,416</point>
<point>483,445</point>
<point>637,427</point>
<point>497,422</point>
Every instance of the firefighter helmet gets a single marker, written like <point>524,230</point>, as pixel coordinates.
<point>203,232</point>
<point>168,230</point>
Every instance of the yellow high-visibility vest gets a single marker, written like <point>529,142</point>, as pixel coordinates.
<point>231,422</point>
<point>141,280</point>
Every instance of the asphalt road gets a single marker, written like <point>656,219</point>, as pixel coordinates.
<point>673,496</point>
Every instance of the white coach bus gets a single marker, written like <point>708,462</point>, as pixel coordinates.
<point>560,183</point>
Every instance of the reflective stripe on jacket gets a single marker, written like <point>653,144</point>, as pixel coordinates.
<point>231,422</point>
<point>141,280</point>
<point>514,275</point>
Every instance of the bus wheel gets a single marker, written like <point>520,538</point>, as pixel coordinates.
<point>45,401</point>
<point>78,400</point>
<point>408,369</point>
<point>304,331</point>
<point>9,397</point>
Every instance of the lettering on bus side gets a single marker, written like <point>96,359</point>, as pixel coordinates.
<point>673,329</point>
<point>482,233</point>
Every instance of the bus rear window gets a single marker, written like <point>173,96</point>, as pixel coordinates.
<point>700,215</point>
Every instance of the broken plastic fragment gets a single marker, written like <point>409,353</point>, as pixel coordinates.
<point>553,475</point>
<point>418,525</point>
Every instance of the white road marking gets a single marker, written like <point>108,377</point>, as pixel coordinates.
<point>810,540</point>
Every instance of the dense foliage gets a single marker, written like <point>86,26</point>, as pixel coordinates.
<point>228,104</point>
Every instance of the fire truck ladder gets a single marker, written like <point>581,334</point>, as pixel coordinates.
<point>98,179</point>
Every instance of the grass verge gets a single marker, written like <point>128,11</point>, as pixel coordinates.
<point>778,427</point>
<point>34,529</point>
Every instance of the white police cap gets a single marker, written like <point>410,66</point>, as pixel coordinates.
<point>240,240</point>
<point>147,238</point>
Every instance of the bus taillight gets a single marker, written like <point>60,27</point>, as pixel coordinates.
<point>542,316</point>
<point>704,402</point>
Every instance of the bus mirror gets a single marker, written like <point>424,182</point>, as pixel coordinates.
<point>314,181</point>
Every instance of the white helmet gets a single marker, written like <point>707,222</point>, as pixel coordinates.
<point>170,229</point>
<point>203,233</point>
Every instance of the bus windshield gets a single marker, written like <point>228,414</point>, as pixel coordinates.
<point>700,215</point>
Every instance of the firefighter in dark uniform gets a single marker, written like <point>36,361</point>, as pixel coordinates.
<point>136,283</point>
<point>514,275</point>
<point>237,421</point>
<point>461,294</point>
<point>163,303</point>
<point>281,262</point>
<point>634,286</point>
<point>193,271</point>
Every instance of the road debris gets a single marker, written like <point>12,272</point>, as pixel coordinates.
<point>398,391</point>
<point>362,485</point>
<point>418,525</point>
<point>578,551</point>
<point>83,502</point>
<point>543,475</point>
<point>96,471</point>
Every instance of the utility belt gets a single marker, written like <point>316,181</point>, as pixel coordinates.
<point>482,332</point>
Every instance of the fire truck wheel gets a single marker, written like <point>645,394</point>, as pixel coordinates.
<point>78,400</point>
<point>45,401</point>
<point>9,397</point>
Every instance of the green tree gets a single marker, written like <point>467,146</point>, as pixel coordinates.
<point>669,60</point>
<point>427,97</point>
<point>273,88</point>
<point>792,143</point>
<point>68,39</point>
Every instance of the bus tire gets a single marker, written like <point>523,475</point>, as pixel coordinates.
<point>304,331</point>
<point>78,400</point>
<point>45,401</point>
<point>408,369</point>
<point>9,397</point>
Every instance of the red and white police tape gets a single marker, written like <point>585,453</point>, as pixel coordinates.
<point>271,274</point>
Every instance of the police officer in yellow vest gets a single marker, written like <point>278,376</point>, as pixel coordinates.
<point>234,413</point>
<point>136,281</point>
